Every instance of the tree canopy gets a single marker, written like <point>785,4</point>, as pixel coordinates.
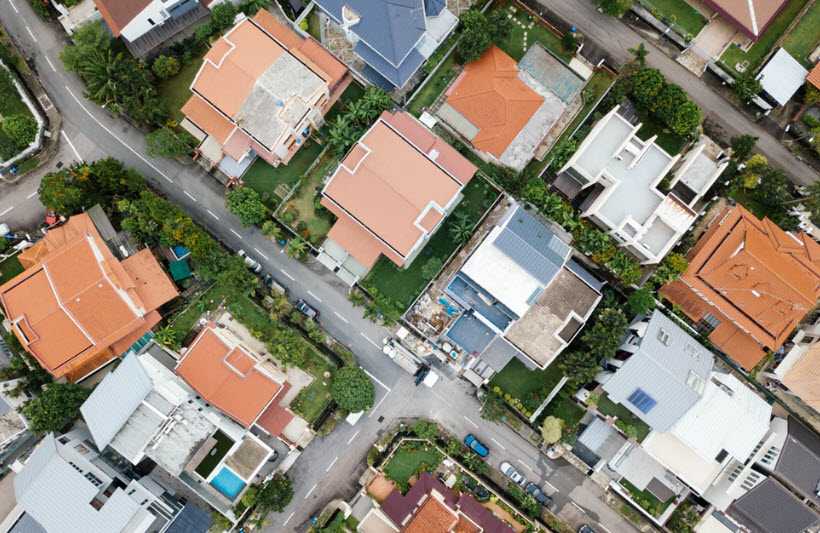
<point>70,190</point>
<point>352,389</point>
<point>165,142</point>
<point>551,429</point>
<point>246,204</point>
<point>57,405</point>
<point>479,31</point>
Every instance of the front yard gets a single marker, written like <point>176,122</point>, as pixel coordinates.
<point>751,60</point>
<point>402,286</point>
<point>677,13</point>
<point>273,183</point>
<point>176,90</point>
<point>9,268</point>
<point>524,23</point>
<point>531,387</point>
<point>411,458</point>
<point>626,420</point>
<point>11,104</point>
<point>303,213</point>
<point>805,37</point>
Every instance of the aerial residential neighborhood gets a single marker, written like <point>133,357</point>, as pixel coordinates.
<point>424,266</point>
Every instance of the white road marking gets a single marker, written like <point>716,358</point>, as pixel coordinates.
<point>353,437</point>
<point>50,64</point>
<point>6,211</point>
<point>470,421</point>
<point>71,144</point>
<point>374,378</point>
<point>333,462</point>
<point>33,38</point>
<point>310,491</point>
<point>288,518</point>
<point>376,407</point>
<point>212,214</point>
<point>235,233</point>
<point>265,257</point>
<point>498,444</point>
<point>287,275</point>
<point>578,507</point>
<point>370,341</point>
<point>315,297</point>
<point>32,195</point>
<point>111,133</point>
<point>602,527</point>
<point>525,465</point>
<point>550,485</point>
<point>343,319</point>
<point>14,7</point>
<point>189,195</point>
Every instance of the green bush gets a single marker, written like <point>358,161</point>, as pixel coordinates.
<point>21,129</point>
<point>165,67</point>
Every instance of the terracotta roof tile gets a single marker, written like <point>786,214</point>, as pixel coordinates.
<point>814,76</point>
<point>491,96</point>
<point>356,240</point>
<point>276,417</point>
<point>208,119</point>
<point>151,283</point>
<point>118,13</point>
<point>432,517</point>
<point>803,379</point>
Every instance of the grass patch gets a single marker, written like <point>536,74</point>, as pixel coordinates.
<point>677,13</point>
<point>754,57</point>
<point>671,142</point>
<point>648,501</point>
<point>176,91</point>
<point>805,37</point>
<point>531,387</point>
<point>513,44</point>
<point>403,285</point>
<point>264,178</point>
<point>303,212</point>
<point>434,87</point>
<point>223,444</point>
<point>410,459</point>
<point>626,420</point>
<point>311,401</point>
<point>314,25</point>
<point>565,408</point>
<point>9,268</point>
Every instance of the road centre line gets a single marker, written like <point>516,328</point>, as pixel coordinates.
<point>212,214</point>
<point>370,341</point>
<point>31,33</point>
<point>6,211</point>
<point>235,233</point>
<point>265,257</point>
<point>353,437</point>
<point>499,444</point>
<point>376,407</point>
<point>333,462</point>
<point>288,518</point>
<point>550,485</point>
<point>189,195</point>
<point>284,273</point>
<point>470,421</point>
<point>525,465</point>
<point>310,491</point>
<point>32,195</point>
<point>342,318</point>
<point>111,133</point>
<point>71,144</point>
<point>14,7</point>
<point>374,378</point>
<point>50,64</point>
<point>315,297</point>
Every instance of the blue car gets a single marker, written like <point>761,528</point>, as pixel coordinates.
<point>474,444</point>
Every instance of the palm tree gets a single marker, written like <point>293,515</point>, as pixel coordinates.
<point>101,74</point>
<point>375,101</point>
<point>462,228</point>
<point>359,111</point>
<point>297,248</point>
<point>342,134</point>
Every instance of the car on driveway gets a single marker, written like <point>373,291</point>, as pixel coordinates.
<point>509,470</point>
<point>538,495</point>
<point>306,309</point>
<point>250,262</point>
<point>476,445</point>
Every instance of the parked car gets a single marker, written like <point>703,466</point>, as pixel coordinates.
<point>535,491</point>
<point>306,309</point>
<point>272,284</point>
<point>586,528</point>
<point>476,445</point>
<point>509,470</point>
<point>250,262</point>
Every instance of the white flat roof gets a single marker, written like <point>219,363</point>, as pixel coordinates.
<point>782,76</point>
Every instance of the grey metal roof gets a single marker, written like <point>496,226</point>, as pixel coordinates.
<point>498,353</point>
<point>602,439</point>
<point>770,508</point>
<point>115,399</point>
<point>27,524</point>
<point>390,27</point>
<point>191,519</point>
<point>664,367</point>
<point>799,461</point>
<point>532,245</point>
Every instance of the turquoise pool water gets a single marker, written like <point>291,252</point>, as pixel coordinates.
<point>228,483</point>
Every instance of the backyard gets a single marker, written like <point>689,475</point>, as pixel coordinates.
<point>176,90</point>
<point>751,60</point>
<point>9,268</point>
<point>626,420</point>
<point>678,13</point>
<point>409,459</point>
<point>402,286</point>
<point>274,183</point>
<point>531,387</point>
<point>221,446</point>
<point>804,38</point>
<point>303,212</point>
<point>524,23</point>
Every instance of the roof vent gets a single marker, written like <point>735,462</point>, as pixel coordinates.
<point>433,155</point>
<point>663,337</point>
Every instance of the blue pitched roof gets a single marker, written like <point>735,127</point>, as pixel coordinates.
<point>532,245</point>
<point>434,7</point>
<point>390,27</point>
<point>396,76</point>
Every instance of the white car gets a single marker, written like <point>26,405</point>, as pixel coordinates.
<point>509,470</point>
<point>250,262</point>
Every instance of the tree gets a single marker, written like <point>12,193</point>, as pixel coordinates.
<point>579,367</point>
<point>668,101</point>
<point>165,67</point>
<point>297,248</point>
<point>746,87</point>
<point>604,337</point>
<point>251,7</point>
<point>273,496</point>
<point>615,8</point>
<point>742,147</point>
<point>21,129</point>
<point>640,52</point>
<point>342,135</point>
<point>271,229</point>
<point>569,42</point>
<point>104,182</point>
<point>352,389</point>
<point>168,337</point>
<point>684,519</point>
<point>647,83</point>
<point>476,36</point>
<point>686,119</point>
<point>461,228</point>
<point>670,269</point>
<point>499,25</point>
<point>640,302</point>
<point>222,17</point>
<point>431,268</point>
<point>551,429</point>
<point>90,36</point>
<point>56,406</point>
<point>246,204</point>
<point>165,142</point>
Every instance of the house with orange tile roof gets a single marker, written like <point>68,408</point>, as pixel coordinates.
<point>507,109</point>
<point>261,91</point>
<point>76,307</point>
<point>390,193</point>
<point>814,76</point>
<point>748,285</point>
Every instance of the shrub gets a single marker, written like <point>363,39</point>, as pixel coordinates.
<point>21,129</point>
<point>551,429</point>
<point>352,389</point>
<point>165,142</point>
<point>165,67</point>
<point>57,405</point>
<point>246,204</point>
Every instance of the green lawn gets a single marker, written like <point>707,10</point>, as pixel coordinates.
<point>265,179</point>
<point>565,408</point>
<point>312,400</point>
<point>438,82</point>
<point>176,91</point>
<point>9,268</point>
<point>804,38</point>
<point>403,285</point>
<point>754,57</point>
<point>648,501</point>
<point>529,386</point>
<point>223,444</point>
<point>627,421</point>
<point>303,212</point>
<point>514,46</point>
<point>409,459</point>
<point>677,13</point>
<point>314,25</point>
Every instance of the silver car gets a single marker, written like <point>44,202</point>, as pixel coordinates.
<point>509,470</point>
<point>250,262</point>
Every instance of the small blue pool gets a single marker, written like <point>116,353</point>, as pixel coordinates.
<point>228,483</point>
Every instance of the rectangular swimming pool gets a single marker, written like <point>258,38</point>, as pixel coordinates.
<point>228,483</point>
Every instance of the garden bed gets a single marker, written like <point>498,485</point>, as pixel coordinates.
<point>302,212</point>
<point>409,459</point>
<point>530,387</point>
<point>537,32</point>
<point>564,407</point>
<point>312,401</point>
<point>677,13</point>
<point>265,179</point>
<point>646,500</point>
<point>438,81</point>
<point>626,420</point>
<point>403,285</point>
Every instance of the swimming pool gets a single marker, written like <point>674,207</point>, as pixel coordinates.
<point>228,483</point>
